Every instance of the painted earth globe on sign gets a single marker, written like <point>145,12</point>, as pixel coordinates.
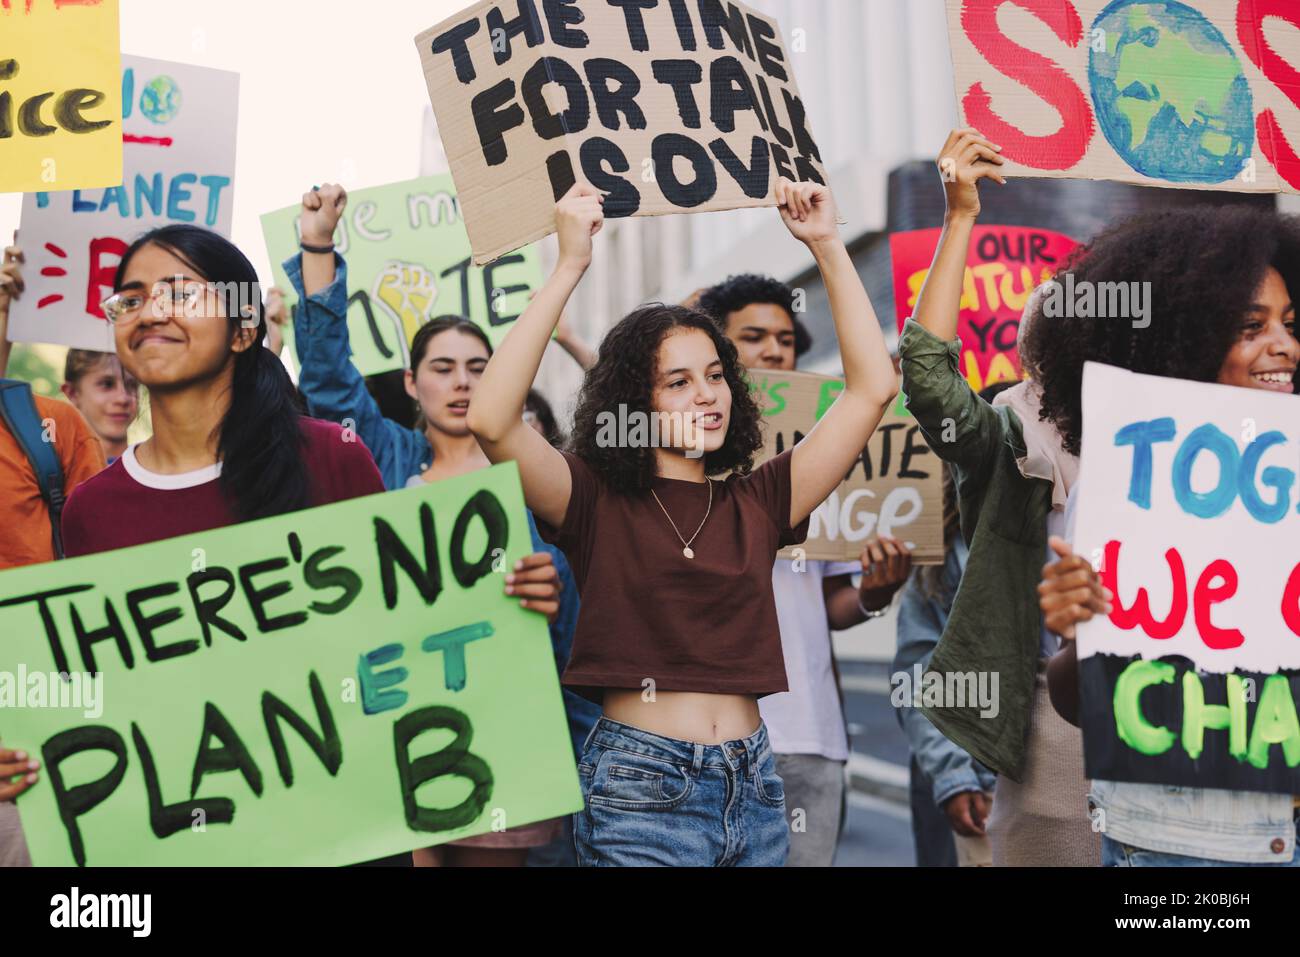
<point>160,100</point>
<point>1170,94</point>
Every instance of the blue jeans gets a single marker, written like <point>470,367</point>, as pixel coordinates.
<point>656,801</point>
<point>1117,854</point>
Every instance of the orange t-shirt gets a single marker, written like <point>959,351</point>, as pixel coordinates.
<point>24,518</point>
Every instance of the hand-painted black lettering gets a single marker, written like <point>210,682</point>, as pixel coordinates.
<point>681,75</point>
<point>205,609</point>
<point>559,15</point>
<point>231,755</point>
<point>731,91</point>
<point>636,34</point>
<point>146,625</point>
<point>622,198</point>
<point>42,599</point>
<point>495,112</point>
<point>259,598</point>
<point>487,508</point>
<point>453,41</point>
<point>454,760</point>
<point>327,746</point>
<point>492,293</point>
<point>87,638</point>
<point>167,819</point>
<point>621,98</point>
<point>576,115</point>
<point>79,799</point>
<point>392,551</point>
<point>752,180</point>
<point>341,577</point>
<point>666,148</point>
<point>501,30</point>
<point>768,52</point>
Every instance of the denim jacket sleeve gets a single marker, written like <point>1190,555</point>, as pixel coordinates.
<point>335,389</point>
<point>921,620</point>
<point>957,424</point>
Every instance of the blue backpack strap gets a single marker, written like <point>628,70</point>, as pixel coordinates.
<point>18,409</point>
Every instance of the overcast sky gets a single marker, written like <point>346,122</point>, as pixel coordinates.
<point>329,91</point>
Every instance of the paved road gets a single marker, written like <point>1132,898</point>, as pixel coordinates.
<point>878,832</point>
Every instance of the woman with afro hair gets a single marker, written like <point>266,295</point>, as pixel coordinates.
<point>678,634</point>
<point>1217,310</point>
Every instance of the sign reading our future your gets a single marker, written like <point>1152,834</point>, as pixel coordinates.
<point>1187,505</point>
<point>320,688</point>
<point>1198,93</point>
<point>666,107</point>
<point>408,261</point>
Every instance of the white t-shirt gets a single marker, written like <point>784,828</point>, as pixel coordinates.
<point>807,719</point>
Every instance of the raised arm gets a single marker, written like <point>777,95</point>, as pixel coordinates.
<point>11,287</point>
<point>333,387</point>
<point>957,424</point>
<point>497,408</point>
<point>822,459</point>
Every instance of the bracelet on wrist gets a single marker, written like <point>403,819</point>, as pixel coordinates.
<point>877,613</point>
<point>321,250</point>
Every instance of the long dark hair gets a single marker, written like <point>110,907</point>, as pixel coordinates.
<point>259,439</point>
<point>624,375</point>
<point>1204,265</point>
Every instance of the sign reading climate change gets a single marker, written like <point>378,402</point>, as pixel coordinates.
<point>408,262</point>
<point>1006,264</point>
<point>60,106</point>
<point>679,106</point>
<point>1187,504</point>
<point>1202,94</point>
<point>320,688</point>
<point>179,167</point>
<point>895,487</point>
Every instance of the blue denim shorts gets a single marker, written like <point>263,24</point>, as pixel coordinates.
<point>656,801</point>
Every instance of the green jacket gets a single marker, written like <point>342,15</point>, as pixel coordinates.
<point>995,624</point>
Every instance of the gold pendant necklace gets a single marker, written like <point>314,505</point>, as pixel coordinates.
<point>686,546</point>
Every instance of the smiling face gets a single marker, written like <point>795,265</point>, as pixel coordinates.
<point>763,334</point>
<point>445,378</point>
<point>108,397</point>
<point>1266,353</point>
<point>690,388</point>
<point>167,345</point>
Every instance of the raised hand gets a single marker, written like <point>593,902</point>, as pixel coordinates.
<point>11,278</point>
<point>808,211</point>
<point>409,290</point>
<point>966,158</point>
<point>321,210</point>
<point>579,216</point>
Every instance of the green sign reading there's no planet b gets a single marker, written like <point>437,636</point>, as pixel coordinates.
<point>325,687</point>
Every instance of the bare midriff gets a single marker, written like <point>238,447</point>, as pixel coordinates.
<point>685,715</point>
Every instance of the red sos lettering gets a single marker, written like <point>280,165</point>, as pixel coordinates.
<point>1046,78</point>
<point>1251,15</point>
<point>1067,146</point>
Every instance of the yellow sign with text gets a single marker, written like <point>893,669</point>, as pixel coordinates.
<point>60,95</point>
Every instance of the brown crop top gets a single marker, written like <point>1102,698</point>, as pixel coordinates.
<point>706,624</point>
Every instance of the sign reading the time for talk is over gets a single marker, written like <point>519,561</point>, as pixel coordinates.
<point>667,107</point>
<point>320,688</point>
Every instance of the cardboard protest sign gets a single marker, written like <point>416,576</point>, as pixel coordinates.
<point>60,102</point>
<point>1200,93</point>
<point>409,261</point>
<point>179,167</point>
<point>319,688</point>
<point>682,106</point>
<point>1186,502</point>
<point>1006,264</point>
<point>895,488</point>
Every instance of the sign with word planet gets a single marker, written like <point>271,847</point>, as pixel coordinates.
<point>179,155</point>
<point>1187,506</point>
<point>320,688</point>
<point>681,106</point>
<point>1006,264</point>
<point>1200,93</point>
<point>895,487</point>
<point>408,262</point>
<point>60,106</point>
